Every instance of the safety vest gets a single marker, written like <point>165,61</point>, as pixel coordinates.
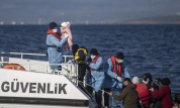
<point>77,56</point>
<point>54,34</point>
<point>117,68</point>
<point>143,93</point>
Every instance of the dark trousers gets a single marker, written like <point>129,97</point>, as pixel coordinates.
<point>81,71</point>
<point>106,97</point>
<point>98,97</point>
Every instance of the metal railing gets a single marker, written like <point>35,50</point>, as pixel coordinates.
<point>22,54</point>
<point>71,72</point>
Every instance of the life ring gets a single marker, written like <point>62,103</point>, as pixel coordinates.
<point>13,66</point>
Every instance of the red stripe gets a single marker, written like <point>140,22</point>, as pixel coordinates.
<point>95,59</point>
<point>54,34</point>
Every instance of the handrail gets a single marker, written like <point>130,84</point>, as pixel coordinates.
<point>22,54</point>
<point>30,67</point>
<point>67,56</point>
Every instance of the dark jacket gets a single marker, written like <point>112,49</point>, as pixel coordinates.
<point>130,97</point>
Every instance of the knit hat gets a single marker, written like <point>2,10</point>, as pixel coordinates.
<point>165,81</point>
<point>65,24</point>
<point>52,25</point>
<point>135,80</point>
<point>120,55</point>
<point>147,76</point>
<point>127,79</point>
<point>94,51</point>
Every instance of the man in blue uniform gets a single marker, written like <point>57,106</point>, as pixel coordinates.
<point>114,78</point>
<point>55,45</point>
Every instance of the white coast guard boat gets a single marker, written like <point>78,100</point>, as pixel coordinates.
<point>30,83</point>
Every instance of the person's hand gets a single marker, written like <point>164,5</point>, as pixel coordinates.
<point>140,101</point>
<point>66,35</point>
<point>151,89</point>
<point>119,78</point>
<point>109,93</point>
<point>66,30</point>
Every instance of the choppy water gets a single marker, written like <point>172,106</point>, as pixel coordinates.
<point>148,48</point>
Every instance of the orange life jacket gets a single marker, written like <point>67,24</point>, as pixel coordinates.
<point>54,34</point>
<point>117,68</point>
<point>13,66</point>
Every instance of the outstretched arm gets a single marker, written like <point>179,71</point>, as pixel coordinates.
<point>56,42</point>
<point>126,73</point>
<point>122,95</point>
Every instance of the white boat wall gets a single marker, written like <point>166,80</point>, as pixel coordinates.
<point>37,87</point>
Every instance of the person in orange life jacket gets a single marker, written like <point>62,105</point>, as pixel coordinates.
<point>114,76</point>
<point>143,92</point>
<point>97,73</point>
<point>54,44</point>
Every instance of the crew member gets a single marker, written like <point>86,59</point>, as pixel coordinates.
<point>55,44</point>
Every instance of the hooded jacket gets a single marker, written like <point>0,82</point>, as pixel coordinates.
<point>97,73</point>
<point>164,94</point>
<point>130,96</point>
<point>54,56</point>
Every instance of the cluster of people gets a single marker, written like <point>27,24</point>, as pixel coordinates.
<point>146,93</point>
<point>108,81</point>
